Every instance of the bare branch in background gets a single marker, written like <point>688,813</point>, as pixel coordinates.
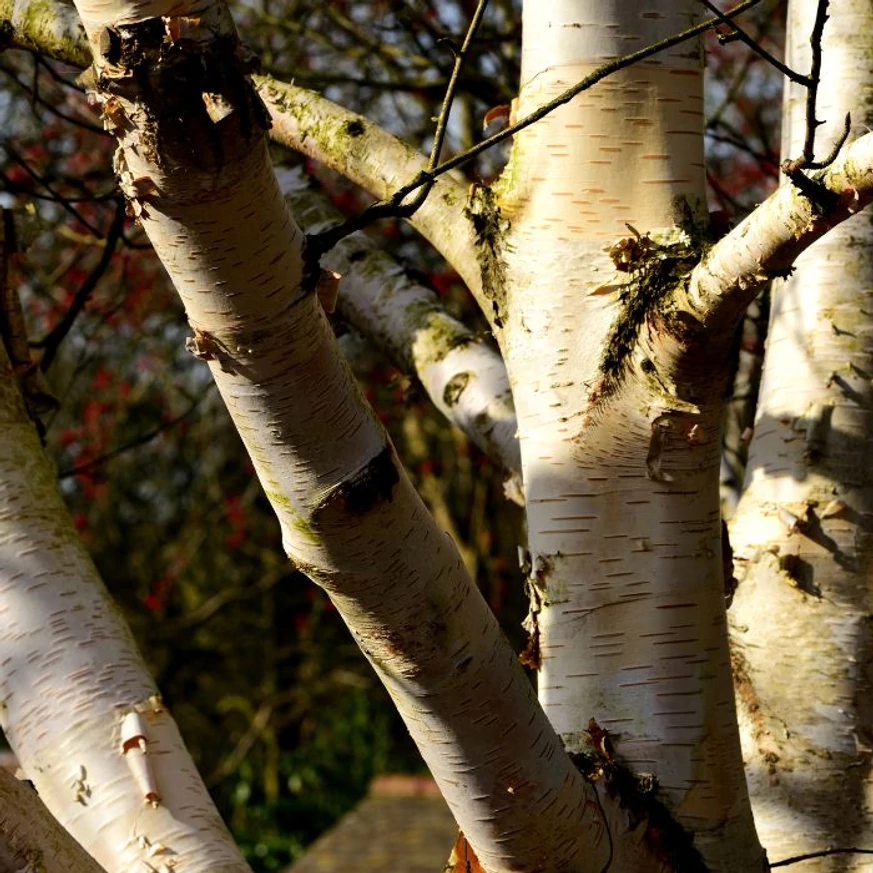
<point>394,207</point>
<point>319,243</point>
<point>52,341</point>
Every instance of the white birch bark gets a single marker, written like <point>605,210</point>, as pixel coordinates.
<point>304,121</point>
<point>464,377</point>
<point>627,596</point>
<point>52,29</point>
<point>206,194</point>
<point>766,244</point>
<point>800,619</point>
<point>78,705</point>
<point>638,645</point>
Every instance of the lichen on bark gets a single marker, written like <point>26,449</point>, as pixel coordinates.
<point>654,270</point>
<point>489,229</point>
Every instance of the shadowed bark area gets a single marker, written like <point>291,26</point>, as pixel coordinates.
<point>61,635</point>
<point>31,839</point>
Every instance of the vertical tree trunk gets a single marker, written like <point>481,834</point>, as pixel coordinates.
<point>801,617</point>
<point>619,434</point>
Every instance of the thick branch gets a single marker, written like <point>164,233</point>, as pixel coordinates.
<point>380,163</point>
<point>30,837</point>
<point>767,243</point>
<point>50,29</point>
<point>349,516</point>
<point>463,375</point>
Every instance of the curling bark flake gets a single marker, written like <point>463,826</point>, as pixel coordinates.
<point>618,412</point>
<point>801,616</point>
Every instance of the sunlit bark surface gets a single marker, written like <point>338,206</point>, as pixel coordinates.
<point>79,708</point>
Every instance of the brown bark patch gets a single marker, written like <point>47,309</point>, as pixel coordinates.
<point>362,492</point>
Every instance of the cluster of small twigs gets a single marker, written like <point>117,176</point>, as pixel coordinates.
<point>793,167</point>
<point>397,206</point>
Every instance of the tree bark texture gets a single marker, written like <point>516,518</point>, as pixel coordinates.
<point>619,434</point>
<point>801,618</point>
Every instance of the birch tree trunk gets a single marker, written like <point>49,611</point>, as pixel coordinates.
<point>619,432</point>
<point>614,316</point>
<point>801,617</point>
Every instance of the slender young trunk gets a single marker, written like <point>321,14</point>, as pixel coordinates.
<point>801,617</point>
<point>619,434</point>
<point>79,707</point>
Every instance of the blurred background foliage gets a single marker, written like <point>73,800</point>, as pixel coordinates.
<point>280,710</point>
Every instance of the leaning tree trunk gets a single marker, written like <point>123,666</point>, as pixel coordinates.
<point>596,221</point>
<point>802,633</point>
<point>79,707</point>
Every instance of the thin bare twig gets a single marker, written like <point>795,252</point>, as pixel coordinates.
<point>141,440</point>
<point>394,207</point>
<point>793,168</point>
<point>52,341</point>
<point>320,243</point>
<point>738,33</point>
<point>58,198</point>
<point>824,853</point>
<point>812,122</point>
